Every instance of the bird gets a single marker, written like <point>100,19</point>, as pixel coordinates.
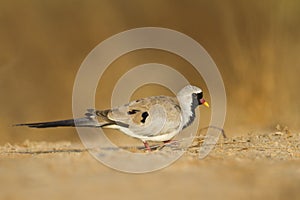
<point>154,118</point>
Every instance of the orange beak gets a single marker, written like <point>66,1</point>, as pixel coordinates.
<point>206,104</point>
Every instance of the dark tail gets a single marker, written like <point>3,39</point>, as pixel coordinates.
<point>80,122</point>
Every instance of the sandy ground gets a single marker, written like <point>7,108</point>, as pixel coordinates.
<point>256,166</point>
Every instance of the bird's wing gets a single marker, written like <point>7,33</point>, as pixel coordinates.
<point>145,117</point>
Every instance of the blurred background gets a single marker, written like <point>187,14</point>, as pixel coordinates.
<point>255,45</point>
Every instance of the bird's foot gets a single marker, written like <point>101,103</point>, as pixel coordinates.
<point>167,143</point>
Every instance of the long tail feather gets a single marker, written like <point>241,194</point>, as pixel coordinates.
<point>80,122</point>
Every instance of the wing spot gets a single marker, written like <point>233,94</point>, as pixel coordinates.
<point>144,117</point>
<point>132,112</point>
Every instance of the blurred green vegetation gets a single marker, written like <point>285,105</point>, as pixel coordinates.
<point>255,44</point>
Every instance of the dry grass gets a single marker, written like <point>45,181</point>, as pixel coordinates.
<point>255,166</point>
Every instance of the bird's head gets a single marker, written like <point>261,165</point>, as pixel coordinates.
<point>193,95</point>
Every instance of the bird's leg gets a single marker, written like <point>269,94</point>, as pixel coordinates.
<point>147,145</point>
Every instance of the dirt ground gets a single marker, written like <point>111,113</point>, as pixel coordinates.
<point>256,166</point>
